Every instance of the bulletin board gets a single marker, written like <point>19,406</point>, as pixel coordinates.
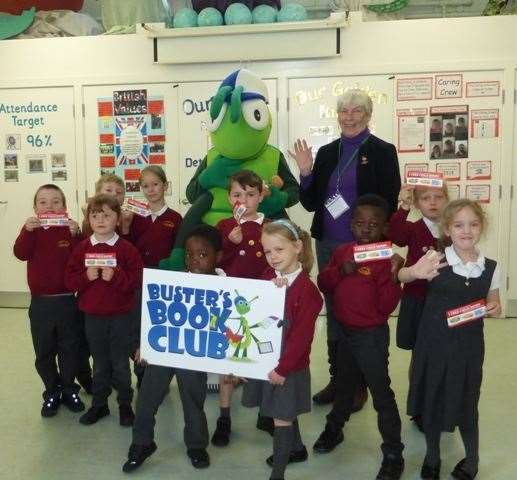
<point>37,146</point>
<point>451,123</point>
<point>128,127</point>
<point>193,115</point>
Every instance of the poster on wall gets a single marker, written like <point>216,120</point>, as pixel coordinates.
<point>454,191</point>
<point>483,89</point>
<point>478,193</point>
<point>485,123</point>
<point>481,170</point>
<point>450,171</point>
<point>411,130</point>
<point>448,132</point>
<point>448,86</point>
<point>131,127</point>
<point>414,89</point>
<point>212,324</point>
<point>415,167</point>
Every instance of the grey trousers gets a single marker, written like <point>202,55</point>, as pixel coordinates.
<point>192,390</point>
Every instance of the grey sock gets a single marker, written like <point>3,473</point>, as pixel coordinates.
<point>297,438</point>
<point>282,442</point>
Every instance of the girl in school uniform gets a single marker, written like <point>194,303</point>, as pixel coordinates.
<point>449,351</point>
<point>288,393</point>
<point>419,237</point>
<point>152,235</point>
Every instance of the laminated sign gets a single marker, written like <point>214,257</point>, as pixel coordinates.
<point>211,323</point>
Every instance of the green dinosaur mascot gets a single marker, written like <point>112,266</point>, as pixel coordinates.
<point>240,124</point>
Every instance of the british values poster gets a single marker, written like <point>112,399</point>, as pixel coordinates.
<point>131,134</point>
<point>212,324</point>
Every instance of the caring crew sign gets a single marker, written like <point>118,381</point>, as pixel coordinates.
<point>211,323</point>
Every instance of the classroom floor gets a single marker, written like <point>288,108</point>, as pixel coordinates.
<point>60,448</point>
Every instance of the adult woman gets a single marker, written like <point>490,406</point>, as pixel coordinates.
<point>355,164</point>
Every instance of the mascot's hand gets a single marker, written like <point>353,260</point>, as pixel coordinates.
<point>175,262</point>
<point>218,173</point>
<point>274,203</point>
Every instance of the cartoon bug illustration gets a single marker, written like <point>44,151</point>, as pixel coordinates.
<point>242,338</point>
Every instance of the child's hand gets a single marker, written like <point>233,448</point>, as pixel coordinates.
<point>275,379</point>
<point>427,266</point>
<point>74,227</point>
<point>493,309</point>
<point>125,221</point>
<point>348,267</point>
<point>107,273</point>
<point>235,236</point>
<point>397,262</point>
<point>31,223</point>
<point>92,273</point>
<point>231,379</point>
<point>280,281</point>
<point>406,196</point>
<point>138,359</point>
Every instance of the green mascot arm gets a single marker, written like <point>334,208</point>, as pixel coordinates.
<point>274,205</point>
<point>194,188</point>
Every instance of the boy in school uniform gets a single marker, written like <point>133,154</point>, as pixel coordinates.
<point>364,294</point>
<point>105,270</point>
<point>203,251</point>
<point>53,310</point>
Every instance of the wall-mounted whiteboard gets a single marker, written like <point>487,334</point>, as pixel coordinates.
<point>37,146</point>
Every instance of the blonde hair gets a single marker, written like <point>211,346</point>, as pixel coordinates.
<point>108,178</point>
<point>452,209</point>
<point>419,190</point>
<point>293,233</point>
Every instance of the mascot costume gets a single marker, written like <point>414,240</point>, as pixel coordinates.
<point>240,124</point>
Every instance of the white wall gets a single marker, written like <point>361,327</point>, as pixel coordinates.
<point>368,48</point>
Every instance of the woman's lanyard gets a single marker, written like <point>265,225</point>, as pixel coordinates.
<point>348,162</point>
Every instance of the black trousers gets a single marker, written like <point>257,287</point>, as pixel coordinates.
<point>109,341</point>
<point>365,352</point>
<point>84,370</point>
<point>192,390</point>
<point>55,333</point>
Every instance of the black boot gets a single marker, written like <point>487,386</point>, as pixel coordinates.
<point>326,396</point>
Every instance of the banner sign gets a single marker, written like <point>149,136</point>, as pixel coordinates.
<point>211,323</point>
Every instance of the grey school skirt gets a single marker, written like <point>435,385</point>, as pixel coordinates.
<point>284,402</point>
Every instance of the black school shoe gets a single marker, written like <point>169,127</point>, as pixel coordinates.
<point>137,455</point>
<point>73,402</point>
<point>94,414</point>
<point>328,440</point>
<point>50,405</point>
<point>460,473</point>
<point>295,457</point>
<point>126,415</point>
<point>221,436</point>
<point>198,457</point>
<point>266,424</point>
<point>391,468</point>
<point>430,473</point>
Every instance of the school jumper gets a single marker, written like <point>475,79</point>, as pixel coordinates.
<point>107,307</point>
<point>53,310</point>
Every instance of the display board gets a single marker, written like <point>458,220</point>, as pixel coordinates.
<point>450,123</point>
<point>194,142</point>
<point>128,127</point>
<point>38,146</point>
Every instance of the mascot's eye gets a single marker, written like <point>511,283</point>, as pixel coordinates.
<point>256,114</point>
<point>213,125</point>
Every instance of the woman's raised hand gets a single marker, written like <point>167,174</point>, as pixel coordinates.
<point>302,155</point>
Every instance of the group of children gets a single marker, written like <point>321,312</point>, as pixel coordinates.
<point>98,276</point>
